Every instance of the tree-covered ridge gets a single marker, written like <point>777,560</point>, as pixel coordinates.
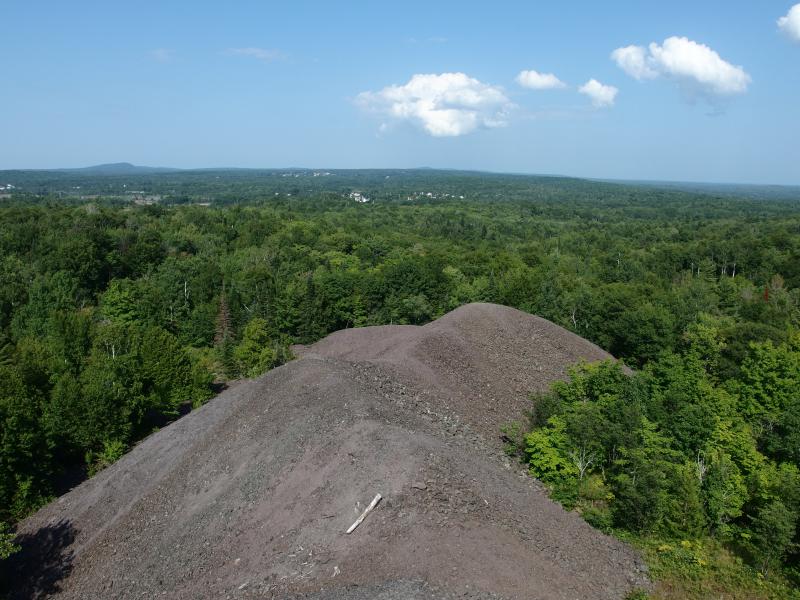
<point>114,318</point>
<point>236,186</point>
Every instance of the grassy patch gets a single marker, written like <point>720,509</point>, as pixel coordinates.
<point>704,569</point>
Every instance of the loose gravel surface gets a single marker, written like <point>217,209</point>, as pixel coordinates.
<point>250,496</point>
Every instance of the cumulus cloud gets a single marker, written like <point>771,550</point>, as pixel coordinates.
<point>539,81</point>
<point>790,24</point>
<point>634,61</point>
<point>698,69</point>
<point>262,54</point>
<point>686,60</point>
<point>601,95</point>
<point>444,105</point>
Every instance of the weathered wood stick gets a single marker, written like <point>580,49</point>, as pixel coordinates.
<point>367,510</point>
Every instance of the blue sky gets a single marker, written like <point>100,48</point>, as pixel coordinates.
<point>322,84</point>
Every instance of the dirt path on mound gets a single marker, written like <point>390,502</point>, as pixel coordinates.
<point>249,496</point>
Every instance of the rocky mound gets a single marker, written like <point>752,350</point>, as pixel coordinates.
<point>475,365</point>
<point>250,496</point>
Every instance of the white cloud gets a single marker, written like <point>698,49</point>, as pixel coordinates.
<point>602,96</point>
<point>790,24</point>
<point>698,69</point>
<point>633,60</point>
<point>449,104</point>
<point>691,62</point>
<point>259,53</point>
<point>539,81</point>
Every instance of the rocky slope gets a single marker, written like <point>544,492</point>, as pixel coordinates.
<point>250,496</point>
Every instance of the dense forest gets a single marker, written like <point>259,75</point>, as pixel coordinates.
<point>118,316</point>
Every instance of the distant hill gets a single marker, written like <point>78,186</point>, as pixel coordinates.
<point>725,190</point>
<point>121,168</point>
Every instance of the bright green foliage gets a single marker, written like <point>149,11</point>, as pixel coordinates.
<point>463,290</point>
<point>725,492</point>
<point>116,318</point>
<point>705,340</point>
<point>202,384</point>
<point>112,451</point>
<point>547,449</point>
<point>256,353</point>
<point>118,302</point>
<point>704,568</point>
<point>770,380</point>
<point>667,452</point>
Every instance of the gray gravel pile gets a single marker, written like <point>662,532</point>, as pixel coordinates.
<point>250,496</point>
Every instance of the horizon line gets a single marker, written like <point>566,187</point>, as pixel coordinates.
<point>416,168</point>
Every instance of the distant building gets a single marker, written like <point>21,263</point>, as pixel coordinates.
<point>359,197</point>
<point>146,200</point>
